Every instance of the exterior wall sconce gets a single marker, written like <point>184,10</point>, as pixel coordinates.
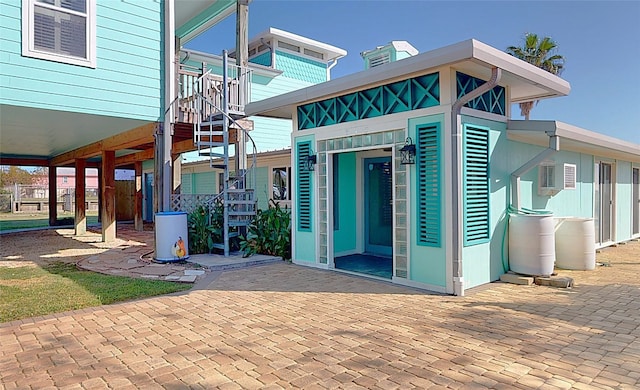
<point>310,163</point>
<point>408,152</point>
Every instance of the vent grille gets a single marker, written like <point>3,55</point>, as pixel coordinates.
<point>476,185</point>
<point>428,168</point>
<point>380,59</point>
<point>570,176</point>
<point>304,188</point>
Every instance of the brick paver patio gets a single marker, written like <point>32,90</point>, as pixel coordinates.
<point>283,326</point>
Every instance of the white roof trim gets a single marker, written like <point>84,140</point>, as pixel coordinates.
<point>280,106</point>
<point>332,52</point>
<point>404,46</point>
<point>572,138</point>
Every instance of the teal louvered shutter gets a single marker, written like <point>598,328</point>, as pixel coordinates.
<point>428,175</point>
<point>476,185</point>
<point>304,188</point>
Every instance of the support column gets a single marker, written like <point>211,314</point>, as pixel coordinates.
<point>53,196</point>
<point>242,60</point>
<point>80,219</point>
<point>137,217</point>
<point>108,195</point>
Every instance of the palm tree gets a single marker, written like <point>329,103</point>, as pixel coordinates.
<point>541,53</point>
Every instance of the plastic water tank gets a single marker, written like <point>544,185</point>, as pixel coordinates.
<point>575,243</point>
<point>172,238</point>
<point>532,244</point>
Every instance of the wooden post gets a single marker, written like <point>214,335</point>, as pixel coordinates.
<point>53,196</point>
<point>242,60</point>
<point>100,194</point>
<point>80,219</point>
<point>108,195</point>
<point>137,217</point>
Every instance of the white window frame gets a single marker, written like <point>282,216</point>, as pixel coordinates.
<point>28,38</point>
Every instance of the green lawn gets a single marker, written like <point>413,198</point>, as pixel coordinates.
<point>9,221</point>
<point>35,291</point>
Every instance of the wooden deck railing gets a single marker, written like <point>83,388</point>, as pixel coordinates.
<point>193,81</point>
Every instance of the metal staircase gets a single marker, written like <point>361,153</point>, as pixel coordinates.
<point>218,105</point>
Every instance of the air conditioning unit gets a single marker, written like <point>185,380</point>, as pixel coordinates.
<point>552,178</point>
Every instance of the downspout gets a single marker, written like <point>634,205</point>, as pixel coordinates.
<point>456,138</point>
<point>554,146</point>
<point>272,52</point>
<point>333,63</point>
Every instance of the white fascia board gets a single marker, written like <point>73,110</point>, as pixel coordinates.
<point>536,132</point>
<point>214,59</point>
<point>331,51</point>
<point>529,73</point>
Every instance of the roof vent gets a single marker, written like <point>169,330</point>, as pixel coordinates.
<point>393,51</point>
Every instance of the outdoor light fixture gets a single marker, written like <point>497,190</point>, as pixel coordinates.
<point>310,163</point>
<point>408,152</point>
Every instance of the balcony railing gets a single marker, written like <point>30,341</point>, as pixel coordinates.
<point>194,80</point>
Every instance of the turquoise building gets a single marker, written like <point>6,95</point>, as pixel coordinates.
<point>439,222</point>
<point>90,83</point>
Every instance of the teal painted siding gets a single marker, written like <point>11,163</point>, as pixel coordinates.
<point>301,68</point>
<point>345,236</point>
<point>304,238</point>
<point>271,133</point>
<point>127,80</point>
<point>262,59</point>
<point>623,200</point>
<point>186,184</point>
<point>428,263</point>
<point>205,183</point>
<point>482,262</point>
<point>262,191</point>
<point>147,165</point>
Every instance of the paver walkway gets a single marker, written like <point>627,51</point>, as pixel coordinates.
<point>283,326</point>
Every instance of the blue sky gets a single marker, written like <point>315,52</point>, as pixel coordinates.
<point>599,39</point>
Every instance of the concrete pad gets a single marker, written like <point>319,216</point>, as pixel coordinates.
<point>194,272</point>
<point>517,279</point>
<point>188,278</point>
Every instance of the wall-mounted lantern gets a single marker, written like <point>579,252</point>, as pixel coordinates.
<point>310,163</point>
<point>408,152</point>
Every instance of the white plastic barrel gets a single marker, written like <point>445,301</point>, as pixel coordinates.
<point>172,238</point>
<point>575,243</point>
<point>532,244</point>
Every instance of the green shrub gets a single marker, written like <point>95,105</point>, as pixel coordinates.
<point>206,228</point>
<point>269,233</point>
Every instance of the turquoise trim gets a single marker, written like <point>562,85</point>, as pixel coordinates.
<point>475,198</point>
<point>428,163</point>
<point>401,96</point>
<point>493,101</point>
<point>203,17</point>
<point>304,188</point>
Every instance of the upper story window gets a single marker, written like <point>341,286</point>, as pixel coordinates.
<point>60,30</point>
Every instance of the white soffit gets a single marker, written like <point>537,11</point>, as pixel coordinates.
<point>573,139</point>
